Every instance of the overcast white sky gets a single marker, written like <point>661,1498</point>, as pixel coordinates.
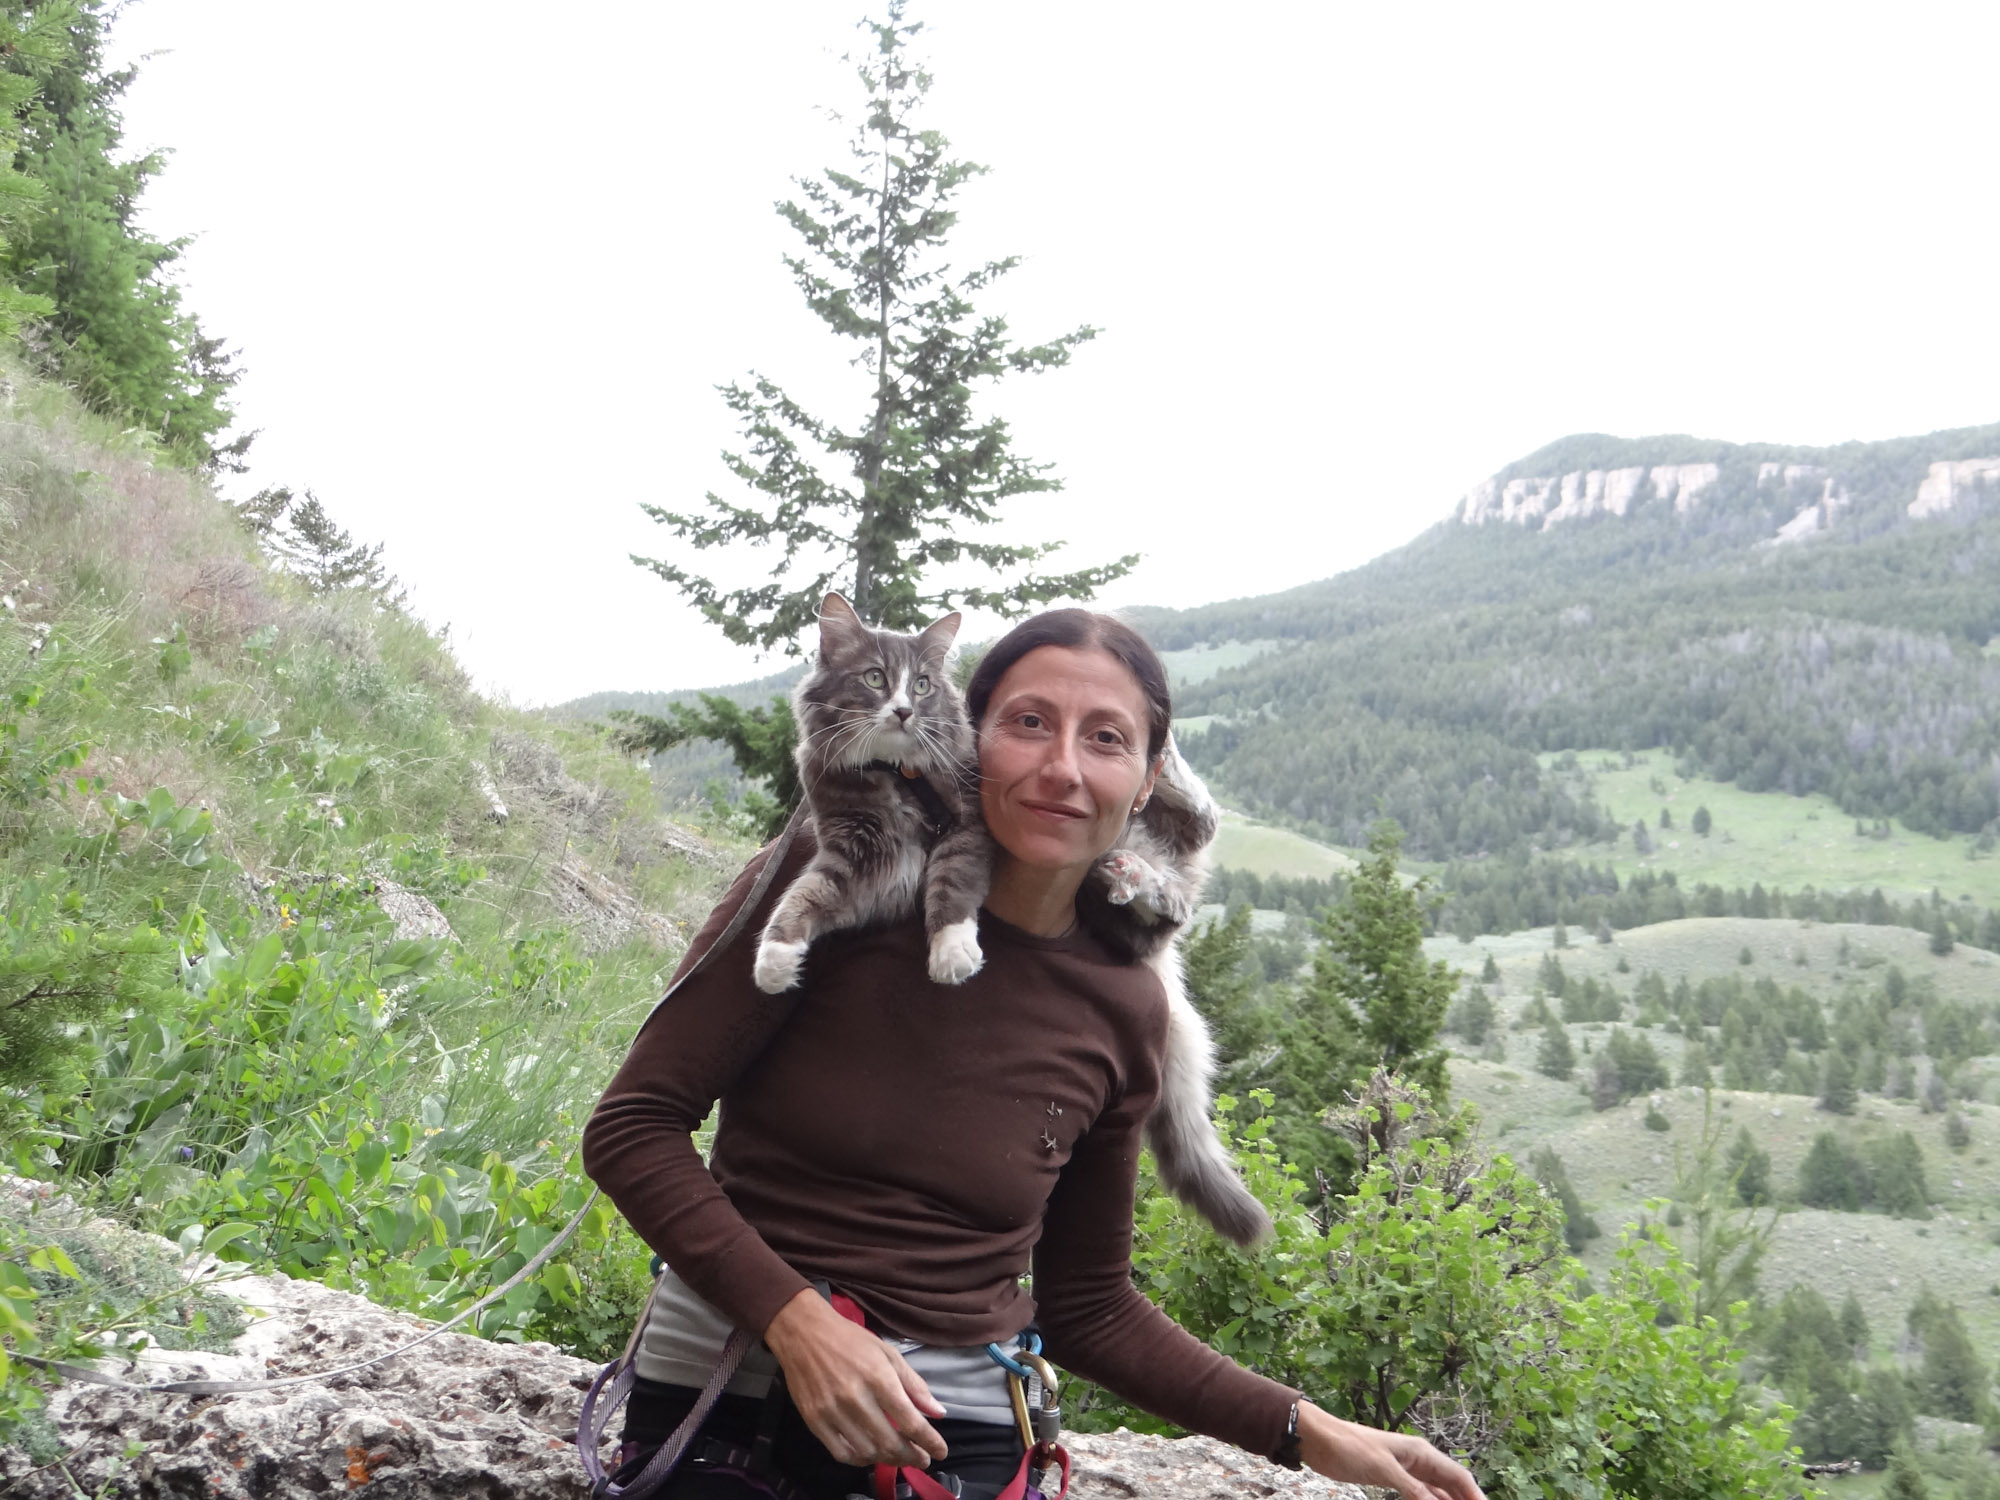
<point>486,263</point>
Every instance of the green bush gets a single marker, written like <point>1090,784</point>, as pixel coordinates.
<point>1436,1298</point>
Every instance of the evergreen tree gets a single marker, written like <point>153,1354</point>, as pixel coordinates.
<point>1642,839</point>
<point>1694,1066</point>
<point>1749,1168</point>
<point>1895,1176</point>
<point>1556,1057</point>
<point>1906,1481</point>
<point>1723,1241</point>
<point>923,474</point>
<point>1472,1016</point>
<point>1941,938</point>
<point>1638,1066</point>
<point>305,540</point>
<point>1559,937</point>
<point>1550,975</point>
<point>1882,1419</point>
<point>1854,1326</point>
<point>1371,967</point>
<point>1826,1176</point>
<point>117,331</point>
<point>1667,818</point>
<point>760,741</point>
<point>1579,1228</point>
<point>1489,972</point>
<point>1702,822</point>
<point>1837,1091</point>
<point>33,42</point>
<point>1222,984</point>
<point>1952,1382</point>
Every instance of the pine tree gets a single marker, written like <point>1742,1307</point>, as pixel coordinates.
<point>760,741</point>
<point>1837,1092</point>
<point>1472,1015</point>
<point>308,544</point>
<point>1952,1382</point>
<point>1489,973</point>
<point>1702,822</point>
<point>1642,839</point>
<point>1371,965</point>
<point>1724,1243</point>
<point>1694,1066</point>
<point>1579,1228</point>
<point>1222,984</point>
<point>923,473</point>
<point>117,332</point>
<point>1556,1057</point>
<point>1854,1326</point>
<point>1941,938</point>
<point>1906,1481</point>
<point>32,42</point>
<point>1826,1176</point>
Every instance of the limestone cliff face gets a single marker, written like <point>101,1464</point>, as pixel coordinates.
<point>1542,503</point>
<point>1948,484</point>
<point>1817,495</point>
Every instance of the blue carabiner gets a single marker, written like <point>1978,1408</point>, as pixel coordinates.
<point>1014,1367</point>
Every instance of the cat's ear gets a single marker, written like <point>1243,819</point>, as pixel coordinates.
<point>938,636</point>
<point>840,628</point>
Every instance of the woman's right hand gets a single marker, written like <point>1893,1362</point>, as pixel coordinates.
<point>854,1391</point>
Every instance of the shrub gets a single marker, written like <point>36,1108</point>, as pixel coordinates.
<point>1436,1298</point>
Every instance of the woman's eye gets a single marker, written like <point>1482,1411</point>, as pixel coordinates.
<point>875,677</point>
<point>1031,721</point>
<point>922,685</point>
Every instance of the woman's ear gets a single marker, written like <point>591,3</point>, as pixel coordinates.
<point>1145,791</point>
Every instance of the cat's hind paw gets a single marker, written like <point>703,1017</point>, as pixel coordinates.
<point>778,965</point>
<point>955,953</point>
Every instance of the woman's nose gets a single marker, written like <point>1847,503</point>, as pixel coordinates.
<point>1060,765</point>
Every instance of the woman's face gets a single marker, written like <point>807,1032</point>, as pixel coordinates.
<point>1062,756</point>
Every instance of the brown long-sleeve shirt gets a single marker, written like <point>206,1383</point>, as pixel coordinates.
<point>917,1145</point>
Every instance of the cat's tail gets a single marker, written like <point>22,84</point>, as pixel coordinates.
<point>1193,1163</point>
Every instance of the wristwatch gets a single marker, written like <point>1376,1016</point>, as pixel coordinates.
<point>1286,1454</point>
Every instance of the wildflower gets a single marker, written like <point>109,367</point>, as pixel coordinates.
<point>285,917</point>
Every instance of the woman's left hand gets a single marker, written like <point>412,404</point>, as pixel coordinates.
<point>1354,1454</point>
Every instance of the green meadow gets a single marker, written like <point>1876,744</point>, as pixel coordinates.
<point>1775,838</point>
<point>1245,844</point>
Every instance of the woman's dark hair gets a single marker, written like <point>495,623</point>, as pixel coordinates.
<point>1080,630</point>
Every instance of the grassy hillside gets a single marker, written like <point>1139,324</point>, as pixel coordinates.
<point>1777,839</point>
<point>298,934</point>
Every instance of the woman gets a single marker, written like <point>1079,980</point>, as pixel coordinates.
<point>917,1147</point>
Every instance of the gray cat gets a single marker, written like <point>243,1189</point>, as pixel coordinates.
<point>879,709</point>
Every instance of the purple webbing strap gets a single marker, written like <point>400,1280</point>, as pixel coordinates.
<point>619,1376</point>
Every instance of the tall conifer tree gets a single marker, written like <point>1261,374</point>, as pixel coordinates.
<point>923,475</point>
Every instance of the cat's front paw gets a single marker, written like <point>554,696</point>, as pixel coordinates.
<point>955,954</point>
<point>1126,877</point>
<point>778,965</point>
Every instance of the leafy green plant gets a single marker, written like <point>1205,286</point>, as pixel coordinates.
<point>1436,1297</point>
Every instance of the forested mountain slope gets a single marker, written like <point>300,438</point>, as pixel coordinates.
<point>1788,619</point>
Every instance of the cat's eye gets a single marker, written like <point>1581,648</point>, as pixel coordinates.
<point>922,685</point>
<point>875,677</point>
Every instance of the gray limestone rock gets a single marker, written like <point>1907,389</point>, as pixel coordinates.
<point>456,1417</point>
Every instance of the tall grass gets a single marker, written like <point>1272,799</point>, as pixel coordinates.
<point>242,763</point>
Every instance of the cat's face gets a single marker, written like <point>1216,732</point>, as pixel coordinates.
<point>877,695</point>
